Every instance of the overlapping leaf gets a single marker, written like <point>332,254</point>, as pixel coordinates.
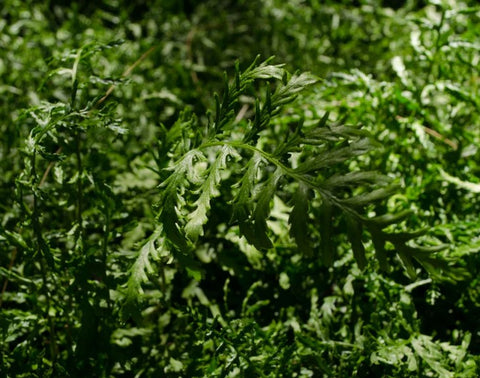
<point>259,171</point>
<point>208,190</point>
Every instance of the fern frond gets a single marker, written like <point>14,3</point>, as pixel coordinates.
<point>298,219</point>
<point>260,166</point>
<point>208,190</point>
<point>152,249</point>
<point>170,196</point>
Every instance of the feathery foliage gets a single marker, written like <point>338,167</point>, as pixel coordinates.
<point>170,208</point>
<point>300,162</point>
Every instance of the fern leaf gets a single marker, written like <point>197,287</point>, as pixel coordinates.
<point>152,249</point>
<point>319,148</point>
<point>320,134</point>
<point>242,204</point>
<point>354,232</point>
<point>263,71</point>
<point>368,198</point>
<point>356,178</point>
<point>299,221</point>
<point>336,156</point>
<point>262,211</point>
<point>385,220</point>
<point>408,264</point>
<point>297,83</point>
<point>196,219</point>
<point>167,205</point>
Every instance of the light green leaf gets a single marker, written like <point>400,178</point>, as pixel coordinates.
<point>153,249</point>
<point>296,84</point>
<point>197,218</point>
<point>265,71</point>
<point>167,204</point>
<point>470,186</point>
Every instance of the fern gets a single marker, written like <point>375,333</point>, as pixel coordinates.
<point>306,168</point>
<point>142,266</point>
<point>208,190</point>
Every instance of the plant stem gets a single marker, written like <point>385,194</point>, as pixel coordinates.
<point>43,268</point>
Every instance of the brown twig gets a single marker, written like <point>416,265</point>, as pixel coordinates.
<point>241,113</point>
<point>439,136</point>
<point>127,72</point>
<point>436,135</point>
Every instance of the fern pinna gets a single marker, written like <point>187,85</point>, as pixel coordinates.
<point>302,163</point>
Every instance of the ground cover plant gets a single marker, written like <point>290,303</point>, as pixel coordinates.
<point>236,188</point>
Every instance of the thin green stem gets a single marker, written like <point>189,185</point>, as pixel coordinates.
<point>79,199</point>
<point>43,269</point>
<point>106,235</point>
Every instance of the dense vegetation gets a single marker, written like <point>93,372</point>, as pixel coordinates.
<point>178,202</point>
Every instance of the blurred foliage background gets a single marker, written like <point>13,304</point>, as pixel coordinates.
<point>78,202</point>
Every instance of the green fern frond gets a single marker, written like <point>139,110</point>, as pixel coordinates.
<point>298,168</point>
<point>208,190</point>
<point>152,249</point>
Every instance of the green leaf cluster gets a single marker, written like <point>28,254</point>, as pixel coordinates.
<point>175,205</point>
